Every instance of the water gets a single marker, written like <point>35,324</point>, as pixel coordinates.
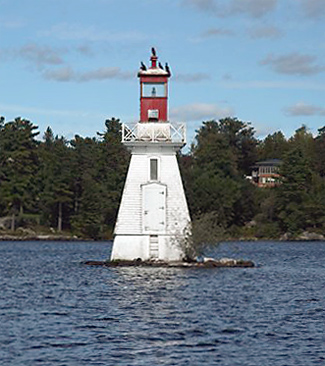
<point>55,311</point>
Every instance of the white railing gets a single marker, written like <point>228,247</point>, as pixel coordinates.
<point>154,132</point>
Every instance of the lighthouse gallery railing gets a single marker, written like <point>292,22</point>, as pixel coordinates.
<point>154,132</point>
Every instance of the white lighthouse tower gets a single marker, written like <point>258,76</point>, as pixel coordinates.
<point>153,216</point>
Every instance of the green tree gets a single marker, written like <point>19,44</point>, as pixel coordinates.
<point>2,198</point>
<point>113,164</point>
<point>229,141</point>
<point>314,205</point>
<point>293,192</point>
<point>56,180</point>
<point>99,174</point>
<point>214,175</point>
<point>266,219</point>
<point>18,166</point>
<point>304,140</point>
<point>89,219</point>
<point>87,184</point>
<point>320,152</point>
<point>240,137</point>
<point>273,147</point>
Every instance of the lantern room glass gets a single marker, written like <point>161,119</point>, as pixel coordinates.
<point>154,90</point>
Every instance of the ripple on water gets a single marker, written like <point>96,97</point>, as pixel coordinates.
<point>57,312</point>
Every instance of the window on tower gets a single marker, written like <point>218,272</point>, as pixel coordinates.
<point>153,169</point>
<point>154,90</point>
<point>153,114</point>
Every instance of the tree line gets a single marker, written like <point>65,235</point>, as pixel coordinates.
<point>76,186</point>
<point>64,185</point>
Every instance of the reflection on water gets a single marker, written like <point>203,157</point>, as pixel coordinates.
<point>59,312</point>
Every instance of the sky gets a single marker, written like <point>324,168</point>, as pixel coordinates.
<point>72,64</point>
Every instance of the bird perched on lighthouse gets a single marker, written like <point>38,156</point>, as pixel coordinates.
<point>167,68</point>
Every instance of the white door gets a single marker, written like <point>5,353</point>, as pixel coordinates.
<point>154,208</point>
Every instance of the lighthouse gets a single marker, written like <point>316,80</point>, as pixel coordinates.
<point>153,217</point>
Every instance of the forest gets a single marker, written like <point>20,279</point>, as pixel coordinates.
<point>51,185</point>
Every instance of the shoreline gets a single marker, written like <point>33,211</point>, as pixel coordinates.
<point>7,237</point>
<point>209,263</point>
<point>43,237</point>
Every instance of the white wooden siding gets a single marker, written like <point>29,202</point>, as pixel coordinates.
<point>130,213</point>
<point>129,219</point>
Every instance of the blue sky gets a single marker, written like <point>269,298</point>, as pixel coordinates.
<point>71,64</point>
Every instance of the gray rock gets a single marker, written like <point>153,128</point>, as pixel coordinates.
<point>310,236</point>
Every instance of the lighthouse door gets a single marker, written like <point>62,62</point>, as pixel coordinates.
<point>154,208</point>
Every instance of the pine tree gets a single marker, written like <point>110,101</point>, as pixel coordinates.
<point>56,180</point>
<point>18,167</point>
<point>114,160</point>
<point>293,193</point>
<point>320,151</point>
<point>273,147</point>
<point>222,155</point>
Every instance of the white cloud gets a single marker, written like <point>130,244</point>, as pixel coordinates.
<point>61,74</point>
<point>104,73</point>
<point>11,24</point>
<point>67,74</point>
<point>41,55</point>
<point>274,84</point>
<point>293,63</point>
<point>255,8</point>
<point>199,111</point>
<point>303,109</point>
<point>205,5</point>
<point>85,50</point>
<point>67,31</point>
<point>191,78</point>
<point>313,8</point>
<point>21,109</point>
<point>221,8</point>
<point>216,32</point>
<point>265,32</point>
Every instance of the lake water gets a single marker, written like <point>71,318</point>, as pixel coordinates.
<point>56,311</point>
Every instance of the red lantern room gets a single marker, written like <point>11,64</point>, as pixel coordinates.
<point>153,90</point>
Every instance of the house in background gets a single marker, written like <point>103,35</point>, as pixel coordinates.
<point>266,173</point>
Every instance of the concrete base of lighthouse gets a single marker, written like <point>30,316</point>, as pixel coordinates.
<point>153,215</point>
<point>146,247</point>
